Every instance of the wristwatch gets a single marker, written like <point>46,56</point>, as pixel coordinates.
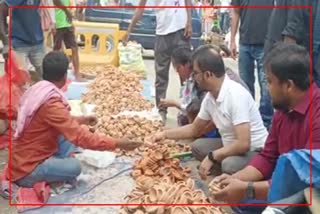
<point>251,194</point>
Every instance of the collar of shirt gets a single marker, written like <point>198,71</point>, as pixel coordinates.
<point>223,89</point>
<point>304,103</point>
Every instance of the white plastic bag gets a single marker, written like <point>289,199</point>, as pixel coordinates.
<point>97,159</point>
<point>130,57</point>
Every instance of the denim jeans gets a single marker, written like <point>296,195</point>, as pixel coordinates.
<point>58,168</point>
<point>34,54</point>
<point>248,55</point>
<point>225,22</point>
<point>250,209</point>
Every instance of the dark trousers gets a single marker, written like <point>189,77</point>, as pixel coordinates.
<point>164,46</point>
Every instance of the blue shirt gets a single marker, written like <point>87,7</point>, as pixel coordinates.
<point>26,24</point>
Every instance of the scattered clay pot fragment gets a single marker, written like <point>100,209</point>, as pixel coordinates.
<point>157,163</point>
<point>164,191</point>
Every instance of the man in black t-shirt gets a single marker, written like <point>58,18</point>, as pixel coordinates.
<point>253,29</point>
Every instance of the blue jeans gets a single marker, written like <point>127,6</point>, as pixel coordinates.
<point>225,22</point>
<point>250,209</point>
<point>248,55</point>
<point>58,168</point>
<point>35,54</point>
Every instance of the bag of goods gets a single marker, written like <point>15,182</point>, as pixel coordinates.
<point>130,57</point>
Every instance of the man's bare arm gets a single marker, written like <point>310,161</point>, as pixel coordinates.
<point>188,131</point>
<point>235,23</point>
<point>239,147</point>
<point>249,174</point>
<point>234,29</point>
<point>189,10</point>
<point>137,16</point>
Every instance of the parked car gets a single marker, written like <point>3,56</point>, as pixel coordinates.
<point>145,30</point>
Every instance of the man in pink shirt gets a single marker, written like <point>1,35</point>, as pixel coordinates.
<point>288,75</point>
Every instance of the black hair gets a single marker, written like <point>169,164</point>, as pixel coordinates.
<point>182,55</point>
<point>194,106</point>
<point>208,59</point>
<point>290,62</point>
<point>55,65</point>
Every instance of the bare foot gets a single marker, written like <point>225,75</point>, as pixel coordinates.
<point>80,78</point>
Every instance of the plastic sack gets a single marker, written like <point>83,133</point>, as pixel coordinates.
<point>97,159</point>
<point>19,78</point>
<point>295,168</point>
<point>16,93</point>
<point>130,57</point>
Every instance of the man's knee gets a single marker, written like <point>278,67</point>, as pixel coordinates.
<point>73,167</point>
<point>231,165</point>
<point>197,151</point>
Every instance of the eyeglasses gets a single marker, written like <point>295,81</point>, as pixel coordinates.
<point>195,74</point>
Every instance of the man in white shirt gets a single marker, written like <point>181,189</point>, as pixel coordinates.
<point>231,108</point>
<point>174,29</point>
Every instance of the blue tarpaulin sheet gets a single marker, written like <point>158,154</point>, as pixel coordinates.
<point>292,174</point>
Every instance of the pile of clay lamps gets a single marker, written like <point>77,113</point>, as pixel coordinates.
<point>114,91</point>
<point>163,191</point>
<point>96,69</point>
<point>157,163</point>
<point>135,128</point>
<point>215,187</point>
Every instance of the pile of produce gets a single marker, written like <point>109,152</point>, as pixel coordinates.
<point>94,69</point>
<point>164,191</point>
<point>114,91</point>
<point>157,163</point>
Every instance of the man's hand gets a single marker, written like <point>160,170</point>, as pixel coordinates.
<point>205,167</point>
<point>233,192</point>
<point>188,30</point>
<point>160,136</point>
<point>222,178</point>
<point>233,49</point>
<point>69,16</point>
<point>127,144</point>
<point>90,120</point>
<point>125,38</point>
<point>289,40</point>
<point>168,103</point>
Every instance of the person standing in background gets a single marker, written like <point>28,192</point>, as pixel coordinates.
<point>253,29</point>
<point>65,32</point>
<point>293,26</point>
<point>225,16</point>
<point>26,35</point>
<point>174,29</point>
